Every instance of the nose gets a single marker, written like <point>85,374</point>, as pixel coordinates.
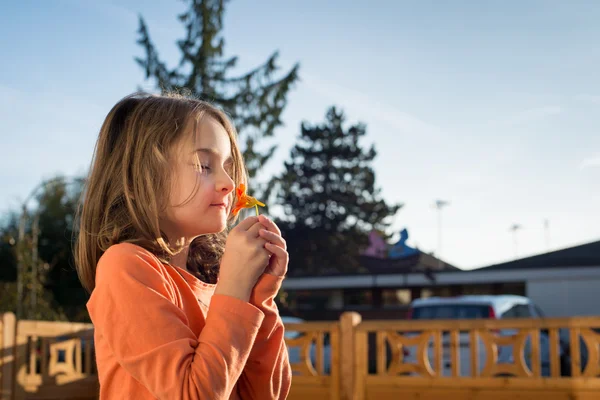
<point>225,183</point>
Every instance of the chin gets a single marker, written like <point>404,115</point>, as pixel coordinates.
<point>211,229</point>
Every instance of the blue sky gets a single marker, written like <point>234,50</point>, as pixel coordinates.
<point>493,106</point>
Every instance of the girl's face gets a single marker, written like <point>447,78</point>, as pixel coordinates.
<point>202,189</point>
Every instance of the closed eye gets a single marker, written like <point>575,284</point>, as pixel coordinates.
<point>201,168</point>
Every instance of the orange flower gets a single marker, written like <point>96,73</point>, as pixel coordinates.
<point>245,201</point>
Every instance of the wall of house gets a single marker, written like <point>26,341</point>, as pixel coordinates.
<point>559,292</point>
<point>566,297</point>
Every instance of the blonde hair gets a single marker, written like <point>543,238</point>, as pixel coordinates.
<point>128,186</point>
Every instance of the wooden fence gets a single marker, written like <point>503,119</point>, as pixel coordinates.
<point>47,360</point>
<point>549,359</point>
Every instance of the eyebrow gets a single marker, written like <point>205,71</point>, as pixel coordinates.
<point>213,152</point>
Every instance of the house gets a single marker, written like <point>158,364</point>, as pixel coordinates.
<point>565,282</point>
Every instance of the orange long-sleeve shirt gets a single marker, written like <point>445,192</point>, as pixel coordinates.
<point>160,333</point>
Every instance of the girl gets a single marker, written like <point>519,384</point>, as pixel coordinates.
<point>180,310</point>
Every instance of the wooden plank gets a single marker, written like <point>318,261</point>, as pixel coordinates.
<point>480,383</point>
<point>454,352</point>
<point>33,342</point>
<point>300,392</point>
<point>51,328</point>
<point>536,366</point>
<point>44,360</point>
<point>395,393</point>
<point>7,355</point>
<point>437,353</point>
<point>88,357</point>
<point>361,364</point>
<point>335,384</point>
<point>575,353</point>
<point>348,323</point>
<point>312,380</point>
<point>474,352</point>
<point>311,326</point>
<point>319,353</point>
<point>381,353</point>
<point>554,353</point>
<point>479,324</point>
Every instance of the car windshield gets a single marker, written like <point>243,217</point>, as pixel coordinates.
<point>451,311</point>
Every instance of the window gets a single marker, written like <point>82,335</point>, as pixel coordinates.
<point>358,298</point>
<point>538,311</point>
<point>477,289</point>
<point>438,291</point>
<point>517,288</point>
<point>518,311</point>
<point>309,299</point>
<point>451,311</point>
<point>511,313</point>
<point>395,297</point>
<point>523,311</point>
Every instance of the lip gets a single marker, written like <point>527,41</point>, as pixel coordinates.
<point>221,205</point>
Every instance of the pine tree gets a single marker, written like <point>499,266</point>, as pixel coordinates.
<point>254,100</point>
<point>329,198</point>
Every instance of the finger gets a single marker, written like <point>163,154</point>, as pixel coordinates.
<point>254,230</point>
<point>281,254</point>
<point>269,224</point>
<point>273,238</point>
<point>247,223</point>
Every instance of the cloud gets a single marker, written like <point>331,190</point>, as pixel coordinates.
<point>108,9</point>
<point>369,107</point>
<point>532,115</point>
<point>125,16</point>
<point>590,98</point>
<point>47,133</point>
<point>590,162</point>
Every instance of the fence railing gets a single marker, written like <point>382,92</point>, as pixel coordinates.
<point>554,358</point>
<point>351,359</point>
<point>7,337</point>
<point>314,349</point>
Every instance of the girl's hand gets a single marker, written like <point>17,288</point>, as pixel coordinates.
<point>275,244</point>
<point>244,260</point>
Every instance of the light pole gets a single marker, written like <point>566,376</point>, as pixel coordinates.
<point>514,228</point>
<point>439,204</point>
<point>547,234</point>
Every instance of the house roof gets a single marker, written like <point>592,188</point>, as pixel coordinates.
<point>585,255</point>
<point>417,262</point>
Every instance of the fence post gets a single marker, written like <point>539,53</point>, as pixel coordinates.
<point>348,321</point>
<point>7,356</point>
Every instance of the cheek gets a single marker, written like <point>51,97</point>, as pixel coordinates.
<point>203,192</point>
<point>191,189</point>
<point>182,187</point>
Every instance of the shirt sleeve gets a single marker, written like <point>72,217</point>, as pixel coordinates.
<point>133,306</point>
<point>268,374</point>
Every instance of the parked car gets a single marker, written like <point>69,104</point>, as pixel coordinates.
<point>479,307</point>
<point>584,357</point>
<point>294,352</point>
